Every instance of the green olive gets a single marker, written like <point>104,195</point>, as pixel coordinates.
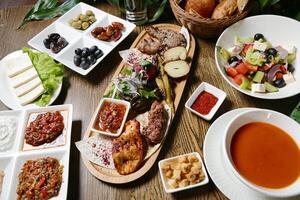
<point>92,19</point>
<point>85,25</point>
<point>81,16</point>
<point>89,12</point>
<point>76,18</point>
<point>76,25</point>
<point>85,19</point>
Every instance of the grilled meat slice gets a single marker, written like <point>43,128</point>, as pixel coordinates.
<point>154,131</point>
<point>167,38</point>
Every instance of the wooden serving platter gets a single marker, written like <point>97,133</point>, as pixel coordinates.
<point>112,176</point>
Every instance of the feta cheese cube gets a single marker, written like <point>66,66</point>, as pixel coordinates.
<point>258,87</point>
<point>288,78</point>
<point>260,46</point>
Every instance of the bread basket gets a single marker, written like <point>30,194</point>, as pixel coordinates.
<point>205,27</point>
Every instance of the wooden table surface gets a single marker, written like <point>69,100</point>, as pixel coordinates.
<point>84,92</point>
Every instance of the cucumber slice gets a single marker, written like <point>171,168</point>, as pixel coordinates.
<point>259,75</point>
<point>270,87</point>
<point>245,84</point>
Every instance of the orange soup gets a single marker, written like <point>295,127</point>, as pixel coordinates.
<point>265,155</point>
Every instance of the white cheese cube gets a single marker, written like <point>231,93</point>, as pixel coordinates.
<point>24,77</point>
<point>27,87</point>
<point>260,46</point>
<point>32,95</point>
<point>288,78</point>
<point>257,87</point>
<point>18,65</point>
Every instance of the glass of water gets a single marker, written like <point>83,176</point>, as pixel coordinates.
<point>136,11</point>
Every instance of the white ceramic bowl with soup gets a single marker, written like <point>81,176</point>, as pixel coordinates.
<point>261,148</point>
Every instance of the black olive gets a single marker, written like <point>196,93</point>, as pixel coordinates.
<point>272,51</point>
<point>232,59</point>
<point>84,65</point>
<point>93,49</point>
<point>47,43</point>
<point>77,60</point>
<point>94,61</point>
<point>90,59</point>
<point>98,53</point>
<point>290,68</point>
<point>83,59</point>
<point>279,83</point>
<point>259,36</point>
<point>55,49</point>
<point>86,49</point>
<point>85,53</point>
<point>54,37</point>
<point>78,51</point>
<point>62,42</point>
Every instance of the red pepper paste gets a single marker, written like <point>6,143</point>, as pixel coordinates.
<point>110,117</point>
<point>204,103</point>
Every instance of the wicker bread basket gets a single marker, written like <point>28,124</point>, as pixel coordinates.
<point>205,27</point>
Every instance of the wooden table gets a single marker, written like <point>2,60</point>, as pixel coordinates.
<point>84,92</point>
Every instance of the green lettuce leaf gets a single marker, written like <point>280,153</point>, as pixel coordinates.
<point>238,40</point>
<point>50,72</point>
<point>255,57</point>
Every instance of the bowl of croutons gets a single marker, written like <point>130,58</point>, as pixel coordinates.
<point>208,18</point>
<point>182,172</point>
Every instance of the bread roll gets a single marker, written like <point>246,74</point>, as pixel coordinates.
<point>225,8</point>
<point>203,7</point>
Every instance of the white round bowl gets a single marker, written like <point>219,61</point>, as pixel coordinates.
<point>279,31</point>
<point>260,115</point>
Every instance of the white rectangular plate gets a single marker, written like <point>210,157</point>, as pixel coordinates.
<point>80,38</point>
<point>12,161</point>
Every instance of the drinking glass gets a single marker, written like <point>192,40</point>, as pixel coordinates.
<point>136,11</point>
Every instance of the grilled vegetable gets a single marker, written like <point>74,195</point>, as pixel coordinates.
<point>175,53</point>
<point>166,83</point>
<point>177,69</point>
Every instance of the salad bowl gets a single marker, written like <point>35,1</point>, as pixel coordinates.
<point>275,30</point>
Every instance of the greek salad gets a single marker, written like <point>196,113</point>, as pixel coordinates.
<point>255,64</point>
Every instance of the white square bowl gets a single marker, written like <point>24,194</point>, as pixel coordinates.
<point>7,164</point>
<point>67,57</point>
<point>62,156</point>
<point>211,89</point>
<point>126,103</point>
<point>19,116</point>
<point>68,33</point>
<point>68,112</point>
<point>164,181</point>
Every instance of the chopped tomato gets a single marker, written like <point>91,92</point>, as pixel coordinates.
<point>231,72</point>
<point>238,79</point>
<point>283,69</point>
<point>242,68</point>
<point>251,68</point>
<point>43,194</point>
<point>40,183</point>
<point>279,75</point>
<point>245,49</point>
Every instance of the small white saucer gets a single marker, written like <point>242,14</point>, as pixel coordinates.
<point>219,172</point>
